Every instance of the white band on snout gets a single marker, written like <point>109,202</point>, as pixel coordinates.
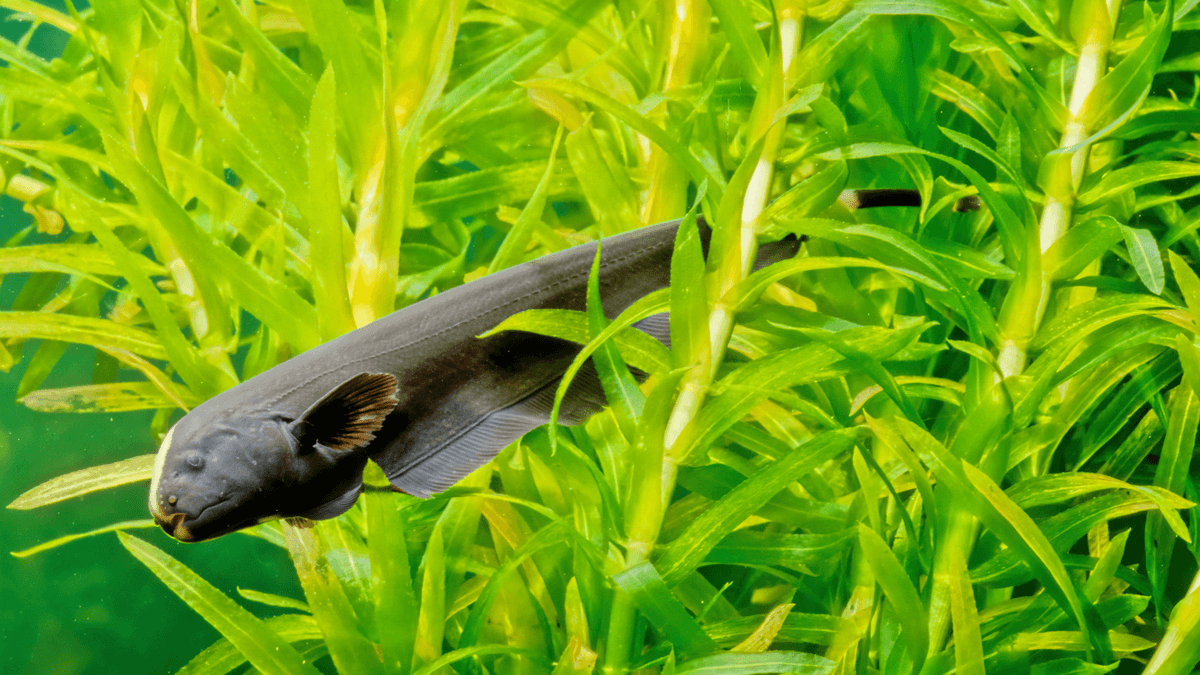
<point>160,461</point>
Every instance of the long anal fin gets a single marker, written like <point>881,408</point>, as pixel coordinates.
<point>657,326</point>
<point>421,473</point>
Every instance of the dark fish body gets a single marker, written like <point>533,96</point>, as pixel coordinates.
<point>416,391</point>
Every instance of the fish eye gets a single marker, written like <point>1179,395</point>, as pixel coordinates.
<point>195,461</point>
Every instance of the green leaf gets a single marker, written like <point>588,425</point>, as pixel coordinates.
<point>1179,649</point>
<point>1171,473</point>
<point>68,259</point>
<point>1189,283</point>
<point>483,191</point>
<point>1082,244</point>
<point>1002,166</point>
<point>964,261</point>
<point>900,592</point>
<point>738,392</point>
<point>690,548</point>
<point>222,657</point>
<point>517,61</point>
<point>112,397</point>
<point>272,600</point>
<point>396,609</point>
<point>275,140</point>
<point>546,537</point>
<point>807,198</point>
<point>795,663</point>
<point>430,629</point>
<point>969,99</point>
<point>744,42</point>
<point>652,303</point>
<point>1106,567</point>
<point>1006,520</point>
<point>1116,181</point>
<point>66,539</point>
<point>800,552</point>
<point>1093,315</point>
<point>575,659</point>
<point>747,292</point>
<point>637,348</point>
<point>1126,85</point>
<point>689,297</point>
<point>358,93</point>
<point>85,481</point>
<point>821,629</point>
<point>968,643</point>
<point>1122,643</point>
<point>80,329</point>
<point>513,246</point>
<point>324,214</point>
<point>267,298</point>
<point>328,601</point>
<point>606,187</point>
<point>961,14</point>
<point>651,595</point>
<point>202,376</point>
<point>1011,226</point>
<point>1034,14</point>
<point>1189,361</point>
<point>264,648</point>
<point>698,173</point>
<point>282,77</point>
<point>1143,252</point>
<point>620,389</point>
<point>870,367</point>
<point>477,650</point>
<point>1061,487</point>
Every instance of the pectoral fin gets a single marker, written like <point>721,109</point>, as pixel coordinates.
<point>347,417</point>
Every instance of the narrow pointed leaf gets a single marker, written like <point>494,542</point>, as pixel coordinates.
<point>263,647</point>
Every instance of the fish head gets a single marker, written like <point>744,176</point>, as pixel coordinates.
<point>220,470</point>
<point>218,476</point>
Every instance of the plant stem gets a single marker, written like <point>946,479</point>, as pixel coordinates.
<point>649,498</point>
<point>684,31</point>
<point>1025,307</point>
<point>685,27</point>
<point>1029,295</point>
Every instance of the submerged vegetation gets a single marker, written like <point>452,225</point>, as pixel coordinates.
<point>935,441</point>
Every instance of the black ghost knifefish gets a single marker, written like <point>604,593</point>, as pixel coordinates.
<point>415,391</point>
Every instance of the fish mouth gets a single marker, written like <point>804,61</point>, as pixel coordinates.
<point>170,524</point>
<point>178,524</point>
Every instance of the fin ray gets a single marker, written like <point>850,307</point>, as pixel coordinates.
<point>349,415</point>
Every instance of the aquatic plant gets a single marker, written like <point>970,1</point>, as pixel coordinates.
<point>934,441</point>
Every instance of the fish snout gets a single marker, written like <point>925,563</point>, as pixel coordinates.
<point>172,518</point>
<point>173,525</point>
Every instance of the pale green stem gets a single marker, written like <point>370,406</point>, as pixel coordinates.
<point>1025,309</point>
<point>1058,212</point>
<point>649,500</point>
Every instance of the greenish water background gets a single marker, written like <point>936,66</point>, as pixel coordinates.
<point>89,606</point>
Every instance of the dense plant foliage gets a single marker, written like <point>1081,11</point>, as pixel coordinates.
<point>935,441</point>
